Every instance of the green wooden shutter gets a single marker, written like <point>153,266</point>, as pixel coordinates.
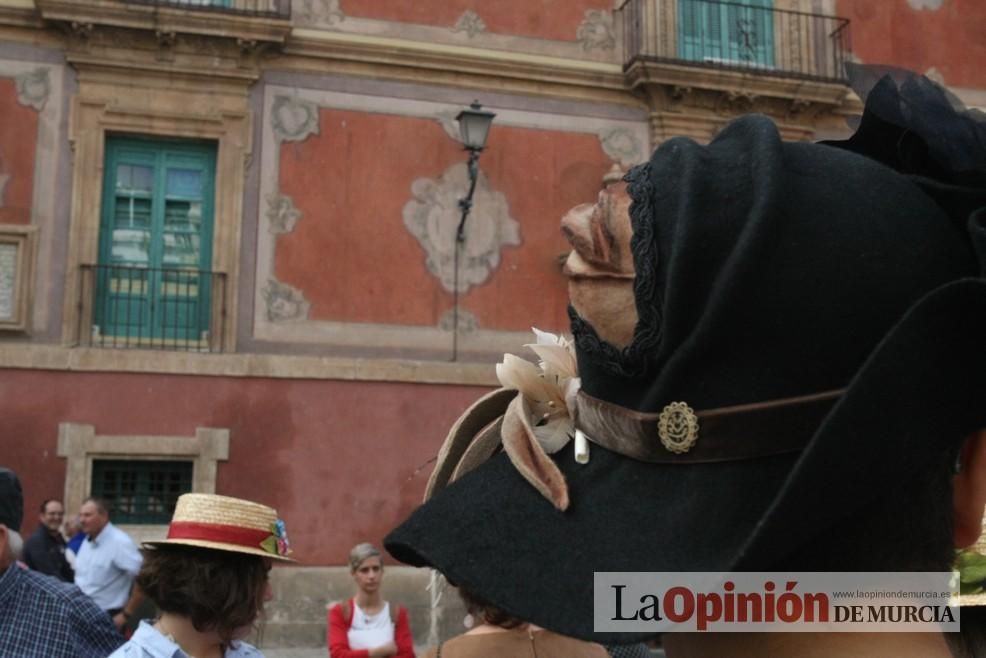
<point>156,230</point>
<point>739,32</point>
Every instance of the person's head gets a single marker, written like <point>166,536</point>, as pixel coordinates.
<point>212,567</point>
<point>52,514</point>
<point>72,526</point>
<point>94,514</point>
<point>218,591</point>
<point>366,567</point>
<point>804,369</point>
<point>11,516</point>
<point>484,613</point>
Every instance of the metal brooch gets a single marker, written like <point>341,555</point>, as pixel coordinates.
<point>678,427</point>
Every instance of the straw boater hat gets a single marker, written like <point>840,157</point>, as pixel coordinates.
<point>229,524</point>
<point>809,337</point>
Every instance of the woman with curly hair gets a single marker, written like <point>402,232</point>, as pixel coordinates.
<point>209,579</point>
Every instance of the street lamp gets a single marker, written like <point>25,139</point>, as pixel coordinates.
<point>474,127</point>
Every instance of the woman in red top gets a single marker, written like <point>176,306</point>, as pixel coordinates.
<point>366,626</point>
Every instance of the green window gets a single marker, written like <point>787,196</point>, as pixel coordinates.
<point>141,491</point>
<point>155,249</point>
<point>739,32</point>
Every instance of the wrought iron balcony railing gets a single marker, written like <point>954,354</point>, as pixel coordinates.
<point>732,35</point>
<point>122,306</point>
<point>269,8</point>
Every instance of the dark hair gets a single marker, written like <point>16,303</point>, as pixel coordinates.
<point>483,612</point>
<point>217,590</point>
<point>100,504</point>
<point>44,505</point>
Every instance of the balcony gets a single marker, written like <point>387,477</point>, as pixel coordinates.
<point>129,307</point>
<point>747,38</point>
<point>248,21</point>
<point>261,8</point>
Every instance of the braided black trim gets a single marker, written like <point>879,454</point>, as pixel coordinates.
<point>631,360</point>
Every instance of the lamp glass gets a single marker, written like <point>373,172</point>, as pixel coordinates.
<point>474,126</point>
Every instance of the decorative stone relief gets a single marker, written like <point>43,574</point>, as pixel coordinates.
<point>432,216</point>
<point>468,323</point>
<point>470,23</point>
<point>318,12</point>
<point>596,30</point>
<point>734,102</point>
<point>293,119</point>
<point>623,146</point>
<point>33,88</point>
<point>284,302</point>
<point>451,127</point>
<point>281,214</point>
<point>933,5</point>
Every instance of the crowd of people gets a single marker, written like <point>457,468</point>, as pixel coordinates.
<point>777,365</point>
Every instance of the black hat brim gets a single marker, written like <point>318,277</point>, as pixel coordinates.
<point>919,392</point>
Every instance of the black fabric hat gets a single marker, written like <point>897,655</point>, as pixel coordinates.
<point>817,311</point>
<point>11,500</point>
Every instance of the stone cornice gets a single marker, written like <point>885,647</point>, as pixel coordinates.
<point>642,74</point>
<point>76,359</point>
<point>166,20</point>
<point>453,60</point>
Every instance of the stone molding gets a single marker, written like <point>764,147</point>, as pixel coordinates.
<point>167,104</point>
<point>42,88</point>
<point>696,102</point>
<point>569,74</point>
<point>79,445</point>
<point>273,366</point>
<point>386,339</point>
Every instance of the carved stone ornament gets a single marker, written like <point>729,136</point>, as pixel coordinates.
<point>623,146</point>
<point>735,102</point>
<point>468,323</point>
<point>446,118</point>
<point>284,302</point>
<point>432,216</point>
<point>470,23</point>
<point>317,12</point>
<point>281,214</point>
<point>596,30</point>
<point>33,88</point>
<point>293,119</point>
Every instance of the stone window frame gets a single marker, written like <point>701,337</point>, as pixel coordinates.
<point>79,445</point>
<point>91,120</point>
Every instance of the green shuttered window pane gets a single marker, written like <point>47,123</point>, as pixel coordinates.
<point>156,241</point>
<point>141,492</point>
<point>740,32</point>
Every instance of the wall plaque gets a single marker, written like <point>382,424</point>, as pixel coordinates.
<point>16,274</point>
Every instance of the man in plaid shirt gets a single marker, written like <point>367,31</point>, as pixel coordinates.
<point>41,617</point>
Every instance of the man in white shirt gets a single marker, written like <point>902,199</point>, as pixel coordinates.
<point>107,563</point>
